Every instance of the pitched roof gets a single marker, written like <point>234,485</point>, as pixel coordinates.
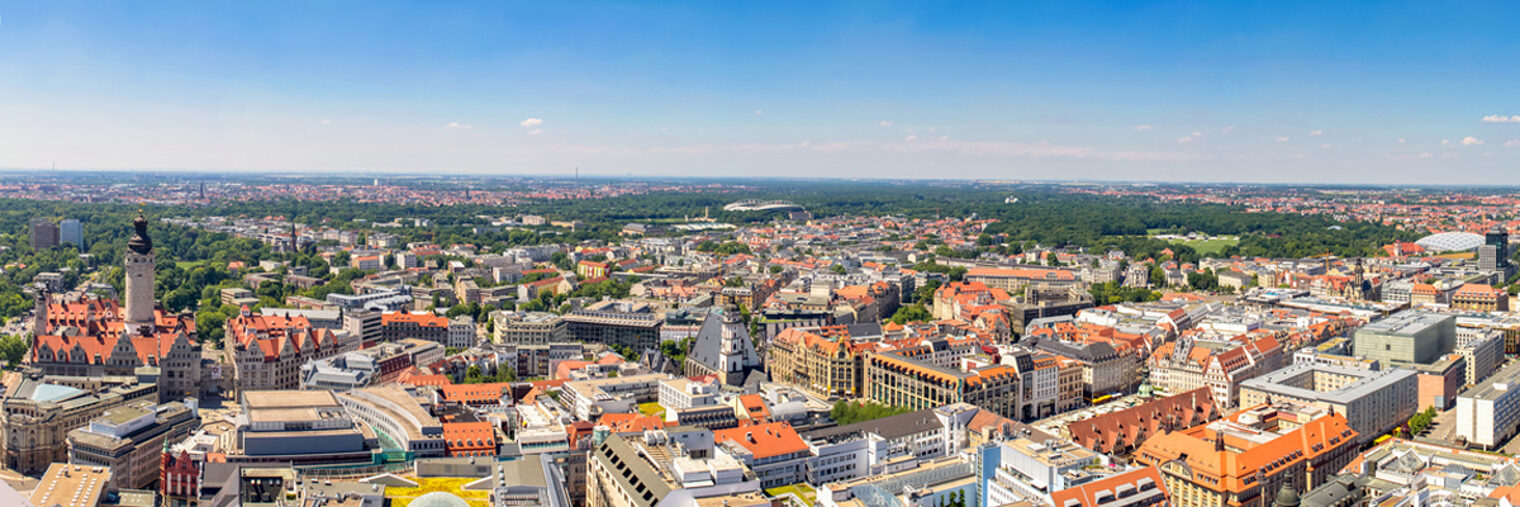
<point>765,440</point>
<point>1139,480</point>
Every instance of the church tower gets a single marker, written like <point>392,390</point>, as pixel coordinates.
<point>139,269</point>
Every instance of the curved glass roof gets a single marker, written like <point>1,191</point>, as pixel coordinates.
<point>1450,241</point>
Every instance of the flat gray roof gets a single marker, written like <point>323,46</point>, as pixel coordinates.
<point>1371,381</point>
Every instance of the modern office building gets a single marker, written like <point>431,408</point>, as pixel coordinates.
<point>1411,336</point>
<point>867,448</point>
<point>905,378</point>
<point>44,234</point>
<point>298,427</point>
<point>651,470</point>
<point>1489,414</point>
<point>632,326</point>
<point>1373,402</point>
<point>70,232</point>
<point>1493,255</point>
<point>130,440</point>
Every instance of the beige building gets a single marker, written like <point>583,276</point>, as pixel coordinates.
<point>1221,366</point>
<point>898,378</point>
<point>39,413</point>
<point>1373,402</point>
<point>654,471</point>
<point>530,328</point>
<point>822,360</point>
<point>130,440</point>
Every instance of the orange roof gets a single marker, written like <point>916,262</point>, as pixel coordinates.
<point>1229,470</point>
<point>629,423</point>
<point>754,404</point>
<point>474,393</point>
<point>469,436</point>
<point>1086,494</point>
<point>764,440</point>
<point>421,319</point>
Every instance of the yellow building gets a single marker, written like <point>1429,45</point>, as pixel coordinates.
<point>819,359</point>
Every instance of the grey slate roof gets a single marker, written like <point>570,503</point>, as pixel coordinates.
<point>890,427</point>
<point>709,343</point>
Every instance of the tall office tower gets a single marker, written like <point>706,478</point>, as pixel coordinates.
<point>44,234</point>
<point>69,231</point>
<point>1494,254</point>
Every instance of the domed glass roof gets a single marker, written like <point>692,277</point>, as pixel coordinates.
<point>1450,241</point>
<point>439,499</point>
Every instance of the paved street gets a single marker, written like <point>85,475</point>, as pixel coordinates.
<point>1444,428</point>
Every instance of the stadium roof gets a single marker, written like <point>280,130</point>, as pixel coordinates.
<point>1450,241</point>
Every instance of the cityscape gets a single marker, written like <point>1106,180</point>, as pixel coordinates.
<point>890,254</point>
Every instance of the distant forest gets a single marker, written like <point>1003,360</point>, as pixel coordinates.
<point>1043,215</point>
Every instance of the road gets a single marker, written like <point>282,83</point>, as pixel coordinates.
<point>1444,427</point>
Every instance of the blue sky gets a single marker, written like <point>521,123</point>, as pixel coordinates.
<point>1211,91</point>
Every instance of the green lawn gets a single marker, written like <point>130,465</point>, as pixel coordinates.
<point>803,491</point>
<point>1208,246</point>
<point>652,408</point>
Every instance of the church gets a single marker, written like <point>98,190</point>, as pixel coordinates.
<point>723,348</point>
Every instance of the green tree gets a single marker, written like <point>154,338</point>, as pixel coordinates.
<point>12,349</point>
<point>911,313</point>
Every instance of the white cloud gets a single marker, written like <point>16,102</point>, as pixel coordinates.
<point>1317,133</point>
<point>1228,129</point>
<point>326,121</point>
<point>759,112</point>
<point>1512,143</point>
<point>457,125</point>
<point>532,122</point>
<point>535,132</point>
<point>1471,141</point>
<point>1283,139</point>
<point>1185,140</point>
<point>911,137</point>
<point>884,123</point>
<point>1143,128</point>
<point>1197,134</point>
<point>1402,141</point>
<point>1499,118</point>
<point>1325,146</point>
<point>1445,142</point>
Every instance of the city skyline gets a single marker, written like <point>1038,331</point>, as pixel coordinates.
<point>1282,93</point>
